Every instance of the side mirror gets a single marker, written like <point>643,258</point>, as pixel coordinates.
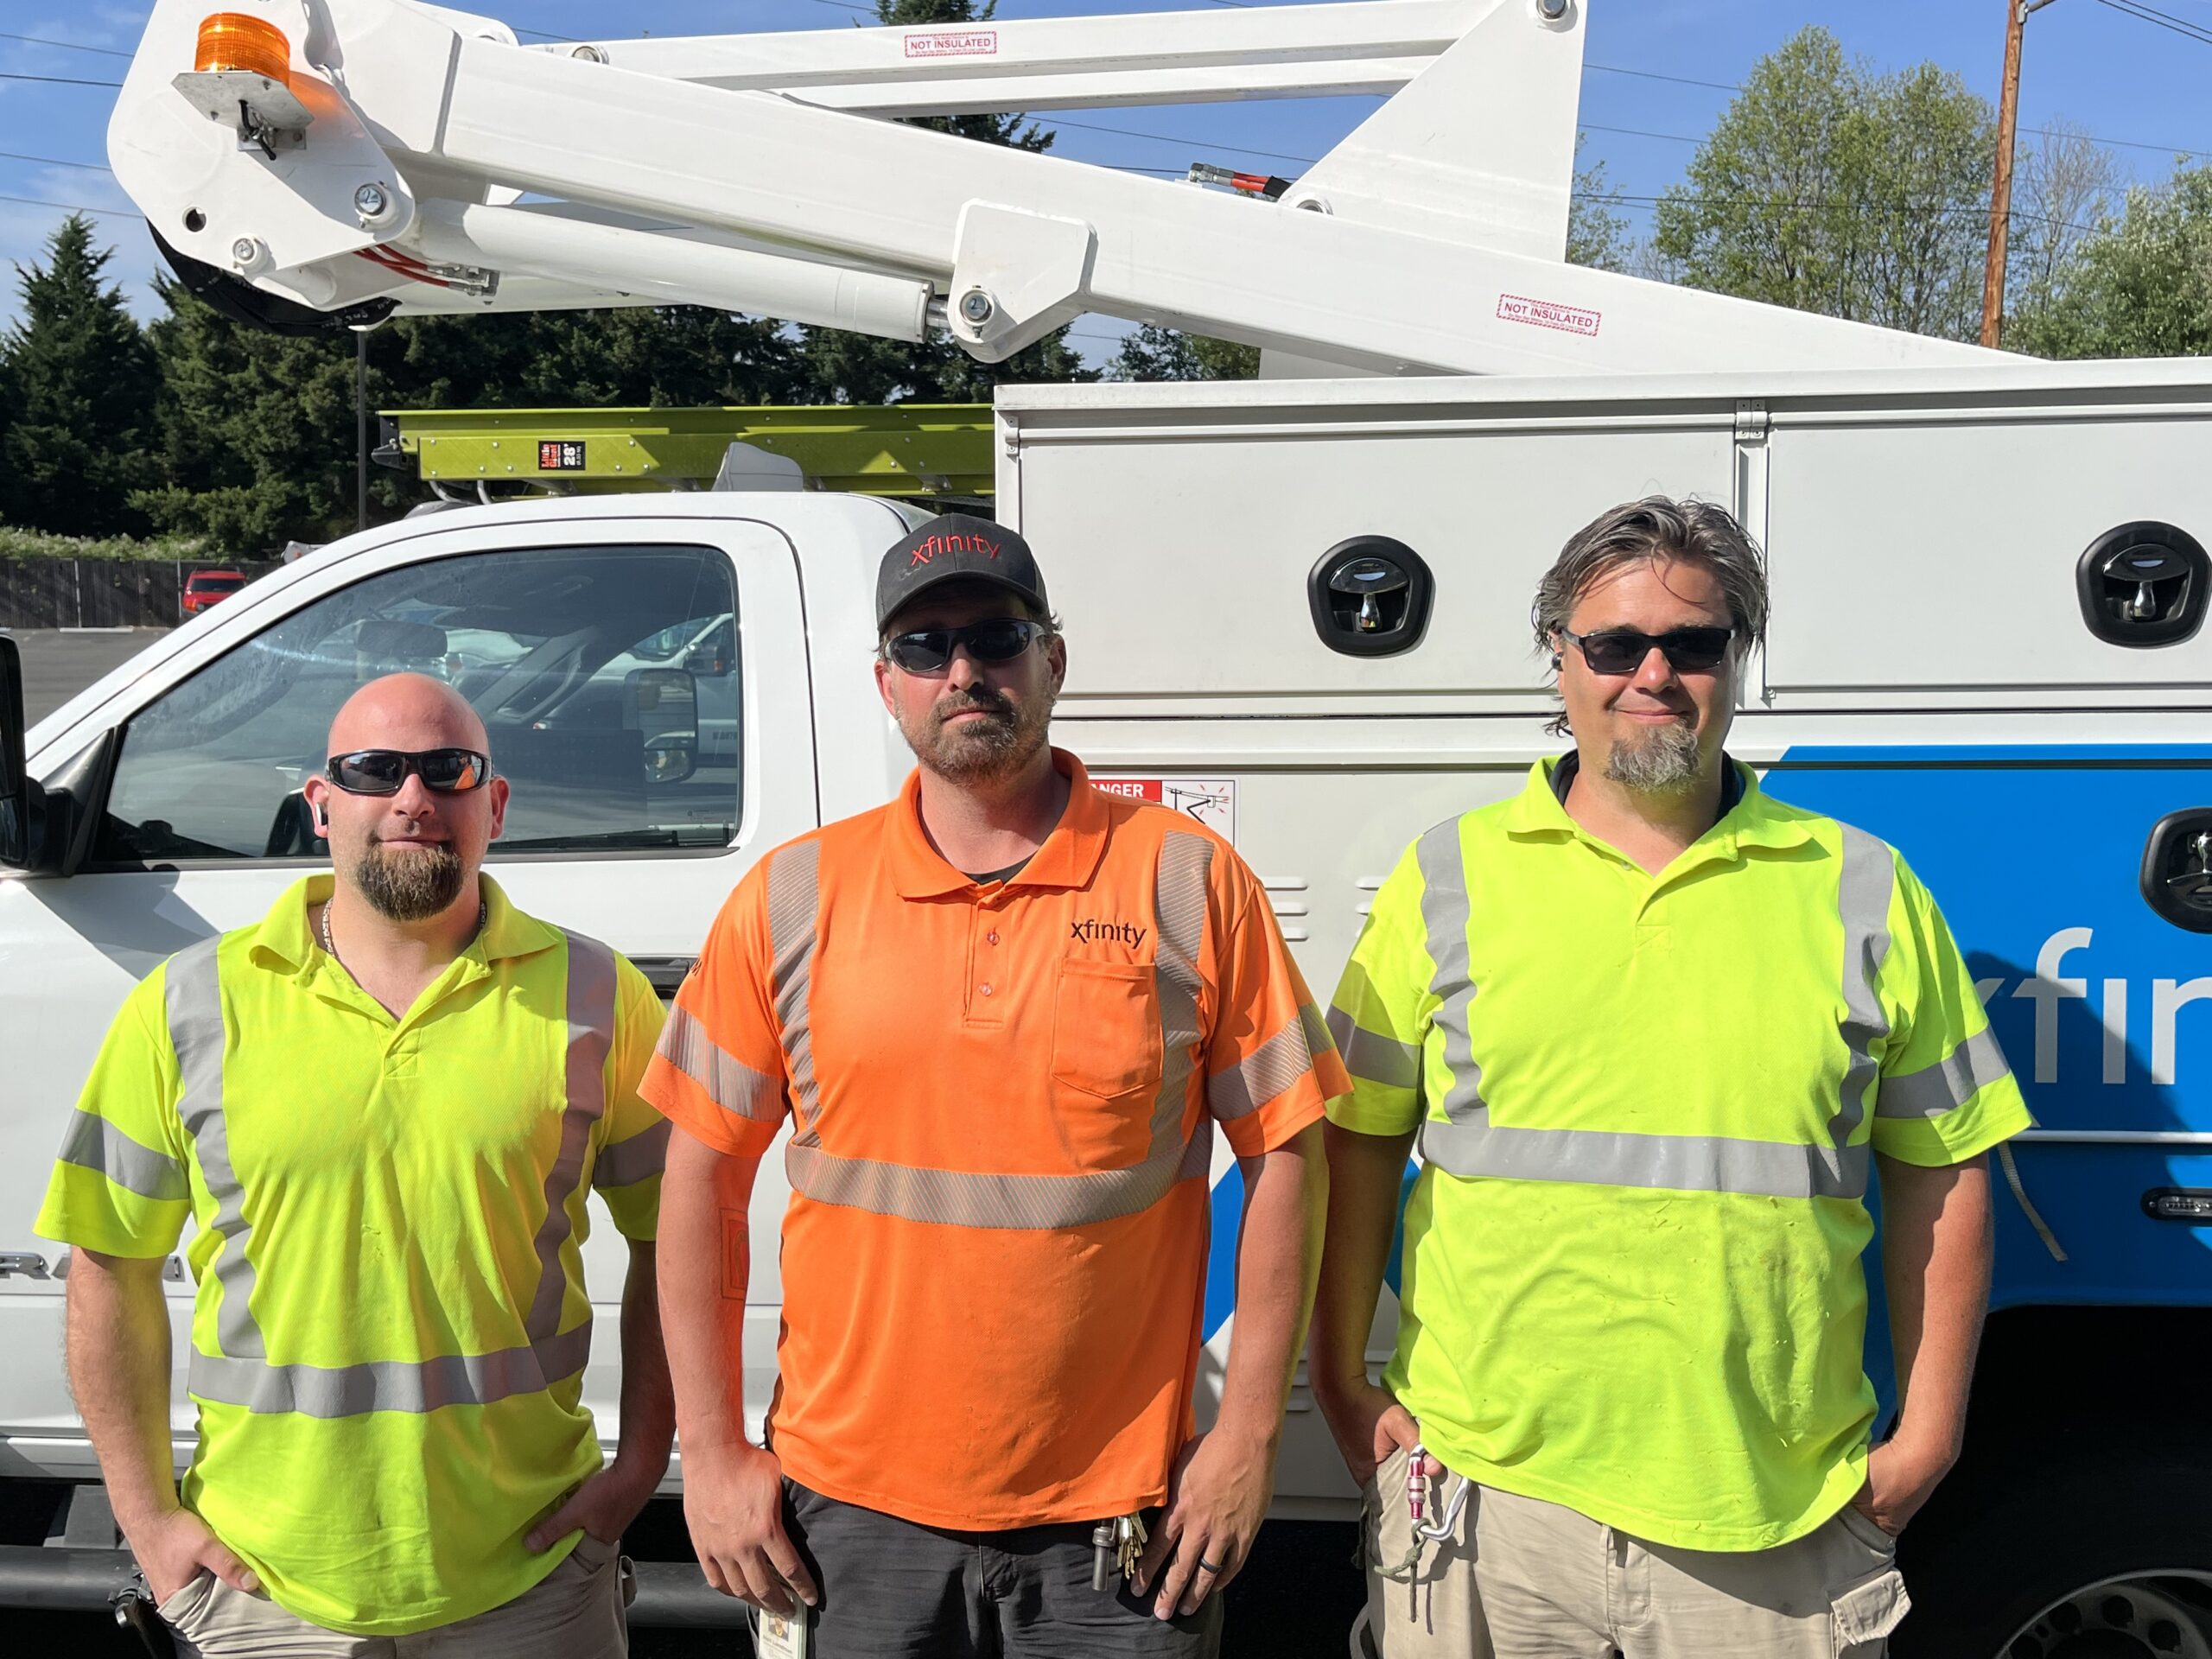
<point>671,759</point>
<point>664,708</point>
<point>15,774</point>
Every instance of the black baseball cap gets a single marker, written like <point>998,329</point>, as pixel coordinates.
<point>956,546</point>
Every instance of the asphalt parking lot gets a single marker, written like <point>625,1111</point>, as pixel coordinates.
<point>59,663</point>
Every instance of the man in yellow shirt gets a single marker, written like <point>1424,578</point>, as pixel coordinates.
<point>1654,1030</point>
<point>383,1105</point>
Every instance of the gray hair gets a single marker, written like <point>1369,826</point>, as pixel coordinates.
<point>1658,527</point>
<point>1695,532</point>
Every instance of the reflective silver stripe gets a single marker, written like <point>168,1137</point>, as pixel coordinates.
<point>794,903</point>
<point>1863,889</point>
<point>591,1036</point>
<point>1383,1061</point>
<point>241,1374</point>
<point>729,1082</point>
<point>192,992</point>
<point>389,1385</point>
<point>1715,1163</point>
<point>1686,1163</point>
<point>1948,1084</point>
<point>1445,916</point>
<point>627,1162</point>
<point>93,1143</point>
<point>1258,1079</point>
<point>1318,1039</point>
<point>966,1198</point>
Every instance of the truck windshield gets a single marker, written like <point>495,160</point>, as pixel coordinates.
<point>605,744</point>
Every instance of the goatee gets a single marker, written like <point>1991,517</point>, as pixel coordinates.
<point>1659,762</point>
<point>410,885</point>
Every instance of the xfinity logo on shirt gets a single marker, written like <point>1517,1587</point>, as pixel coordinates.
<point>1089,931</point>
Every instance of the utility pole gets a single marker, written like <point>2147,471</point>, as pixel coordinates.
<point>2000,192</point>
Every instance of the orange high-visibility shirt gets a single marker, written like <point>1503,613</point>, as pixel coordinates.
<point>1003,1099</point>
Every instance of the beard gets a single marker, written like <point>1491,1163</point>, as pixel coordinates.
<point>997,747</point>
<point>410,885</point>
<point>1661,761</point>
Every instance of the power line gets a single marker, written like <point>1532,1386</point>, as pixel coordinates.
<point>1172,138</point>
<point>57,80</point>
<point>74,207</point>
<point>1638,132</point>
<point>2145,14</point>
<point>70,45</point>
<point>55,161</point>
<point>1653,74</point>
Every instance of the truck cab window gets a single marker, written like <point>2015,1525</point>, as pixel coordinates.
<point>607,678</point>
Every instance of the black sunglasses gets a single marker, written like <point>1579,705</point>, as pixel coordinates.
<point>1622,651</point>
<point>929,651</point>
<point>385,771</point>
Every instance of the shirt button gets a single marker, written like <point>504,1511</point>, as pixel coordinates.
<point>990,939</point>
<point>986,990</point>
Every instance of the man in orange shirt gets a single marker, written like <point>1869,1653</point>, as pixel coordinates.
<point>1005,1013</point>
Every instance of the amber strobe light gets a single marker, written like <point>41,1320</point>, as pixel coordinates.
<point>232,40</point>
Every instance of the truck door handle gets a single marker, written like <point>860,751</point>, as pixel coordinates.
<point>2176,874</point>
<point>29,1263</point>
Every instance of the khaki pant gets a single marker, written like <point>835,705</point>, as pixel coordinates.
<point>574,1612</point>
<point>1520,1578</point>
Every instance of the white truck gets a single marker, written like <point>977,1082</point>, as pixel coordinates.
<point>1295,607</point>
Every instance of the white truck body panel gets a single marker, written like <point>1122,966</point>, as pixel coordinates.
<point>1923,600</point>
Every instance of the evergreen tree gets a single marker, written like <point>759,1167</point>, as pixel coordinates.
<point>1151,352</point>
<point>81,394</point>
<point>257,429</point>
<point>850,368</point>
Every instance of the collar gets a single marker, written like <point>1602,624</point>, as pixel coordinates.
<point>283,939</point>
<point>1069,857</point>
<point>1750,817</point>
<point>1733,781</point>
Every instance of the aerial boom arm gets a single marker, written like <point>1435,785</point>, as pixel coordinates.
<point>1428,241</point>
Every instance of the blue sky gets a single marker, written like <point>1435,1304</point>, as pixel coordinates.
<point>2137,83</point>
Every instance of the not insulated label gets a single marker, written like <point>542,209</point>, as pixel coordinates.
<point>1212,801</point>
<point>1547,314</point>
<point>955,43</point>
<point>560,456</point>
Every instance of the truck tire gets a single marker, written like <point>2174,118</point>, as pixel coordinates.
<point>2067,1554</point>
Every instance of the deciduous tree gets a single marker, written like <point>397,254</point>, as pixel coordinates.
<point>2141,286</point>
<point>1830,187</point>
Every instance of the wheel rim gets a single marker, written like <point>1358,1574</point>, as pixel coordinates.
<point>2144,1616</point>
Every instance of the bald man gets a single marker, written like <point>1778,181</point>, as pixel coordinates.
<point>383,1105</point>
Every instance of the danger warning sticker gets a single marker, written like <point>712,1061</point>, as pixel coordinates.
<point>954,44</point>
<point>1547,314</point>
<point>1212,801</point>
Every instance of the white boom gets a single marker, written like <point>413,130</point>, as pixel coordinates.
<point>758,174</point>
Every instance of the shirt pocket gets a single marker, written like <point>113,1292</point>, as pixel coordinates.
<point>1106,1061</point>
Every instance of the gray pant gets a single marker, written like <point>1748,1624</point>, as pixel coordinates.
<point>574,1612</point>
<point>893,1590</point>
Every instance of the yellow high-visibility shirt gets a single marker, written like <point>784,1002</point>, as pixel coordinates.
<point>390,1325</point>
<point>1646,1103</point>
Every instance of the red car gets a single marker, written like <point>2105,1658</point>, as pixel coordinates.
<point>203,588</point>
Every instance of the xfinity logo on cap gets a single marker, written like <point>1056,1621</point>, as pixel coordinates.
<point>1089,930</point>
<point>927,549</point>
